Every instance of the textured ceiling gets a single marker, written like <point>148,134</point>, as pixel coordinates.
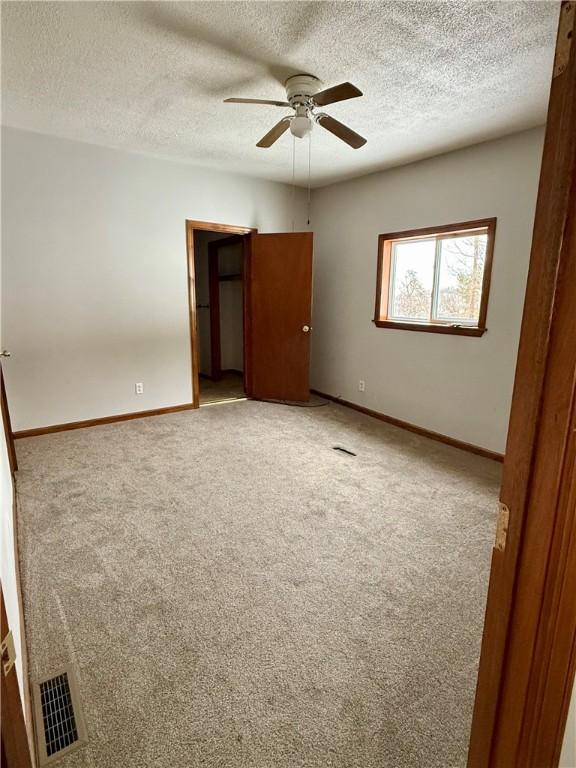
<point>150,77</point>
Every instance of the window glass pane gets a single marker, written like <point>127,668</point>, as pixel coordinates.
<point>412,280</point>
<point>460,276</point>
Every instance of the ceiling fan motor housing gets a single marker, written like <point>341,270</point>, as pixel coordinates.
<point>300,88</point>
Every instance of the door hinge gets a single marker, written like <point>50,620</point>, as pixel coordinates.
<point>8,653</point>
<point>564,42</point>
<point>502,527</point>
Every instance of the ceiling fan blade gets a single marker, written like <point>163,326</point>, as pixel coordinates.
<point>275,133</point>
<point>336,93</point>
<point>258,101</point>
<point>189,23</point>
<point>342,131</point>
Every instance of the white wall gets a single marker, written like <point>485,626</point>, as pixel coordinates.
<point>95,280</point>
<point>568,755</point>
<point>231,262</point>
<point>458,386</point>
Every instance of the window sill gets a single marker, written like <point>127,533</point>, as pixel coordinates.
<point>462,330</point>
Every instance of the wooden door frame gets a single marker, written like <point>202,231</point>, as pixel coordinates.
<point>7,425</point>
<point>17,739</point>
<point>192,226</point>
<point>14,734</point>
<point>528,656</point>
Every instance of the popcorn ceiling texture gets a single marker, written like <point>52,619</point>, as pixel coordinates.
<point>150,77</point>
<point>233,593</point>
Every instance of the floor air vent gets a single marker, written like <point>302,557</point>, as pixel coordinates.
<point>59,722</point>
<point>343,450</point>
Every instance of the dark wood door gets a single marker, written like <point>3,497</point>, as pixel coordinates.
<point>278,307</point>
<point>7,425</point>
<point>15,750</point>
<point>528,656</point>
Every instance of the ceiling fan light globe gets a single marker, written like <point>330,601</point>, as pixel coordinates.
<point>300,126</point>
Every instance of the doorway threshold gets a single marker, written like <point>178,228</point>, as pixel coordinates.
<point>225,401</point>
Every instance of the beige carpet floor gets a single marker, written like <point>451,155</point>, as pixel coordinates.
<point>232,592</point>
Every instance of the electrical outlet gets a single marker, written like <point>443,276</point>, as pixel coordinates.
<point>139,388</point>
<point>361,386</point>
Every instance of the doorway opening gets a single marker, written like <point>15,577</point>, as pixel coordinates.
<point>217,256</point>
<point>250,332</point>
<point>219,267</point>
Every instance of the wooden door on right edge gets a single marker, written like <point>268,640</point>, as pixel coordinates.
<point>14,738</point>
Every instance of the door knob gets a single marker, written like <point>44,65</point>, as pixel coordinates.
<point>4,353</point>
<point>306,328</point>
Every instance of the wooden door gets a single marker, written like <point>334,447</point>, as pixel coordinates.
<point>7,425</point>
<point>278,307</point>
<point>15,750</point>
<point>528,657</point>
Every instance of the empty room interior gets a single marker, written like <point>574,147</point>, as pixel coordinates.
<point>264,267</point>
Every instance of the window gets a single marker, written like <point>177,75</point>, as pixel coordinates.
<point>436,279</point>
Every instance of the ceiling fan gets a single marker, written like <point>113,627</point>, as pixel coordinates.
<point>303,96</point>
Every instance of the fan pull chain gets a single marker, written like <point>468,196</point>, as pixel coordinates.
<point>293,183</point>
<point>309,172</point>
